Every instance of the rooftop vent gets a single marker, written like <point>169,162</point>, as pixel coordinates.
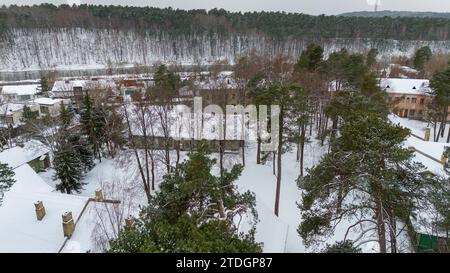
<point>414,88</point>
<point>40,210</point>
<point>98,195</point>
<point>68,224</point>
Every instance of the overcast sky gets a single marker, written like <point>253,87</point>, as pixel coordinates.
<point>303,6</point>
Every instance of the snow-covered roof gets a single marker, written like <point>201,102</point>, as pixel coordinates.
<point>18,156</point>
<point>68,85</point>
<point>223,80</point>
<point>20,231</point>
<point>29,89</point>
<point>9,108</point>
<point>433,150</point>
<point>47,101</point>
<point>405,86</point>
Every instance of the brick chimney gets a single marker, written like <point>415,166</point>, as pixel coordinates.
<point>98,195</point>
<point>444,159</point>
<point>40,210</point>
<point>68,224</point>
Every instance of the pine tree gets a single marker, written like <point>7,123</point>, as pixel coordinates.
<point>83,149</point>
<point>342,247</point>
<point>68,169</point>
<point>28,115</point>
<point>65,116</point>
<point>6,179</point>
<point>193,212</point>
<point>440,86</point>
<point>422,56</point>
<point>367,162</point>
<point>93,123</point>
<point>310,59</point>
<point>166,79</point>
<point>44,87</point>
<point>68,162</point>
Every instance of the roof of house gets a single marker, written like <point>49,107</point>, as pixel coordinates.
<point>405,86</point>
<point>47,101</point>
<point>20,231</point>
<point>29,89</point>
<point>9,108</point>
<point>427,152</point>
<point>68,85</point>
<point>18,156</point>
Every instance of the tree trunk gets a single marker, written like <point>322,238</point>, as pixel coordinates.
<point>258,151</point>
<point>221,151</point>
<point>381,227</point>
<point>302,149</point>
<point>392,227</point>
<point>243,152</point>
<point>279,152</point>
<point>434,130</point>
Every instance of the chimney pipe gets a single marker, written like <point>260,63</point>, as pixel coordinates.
<point>444,159</point>
<point>98,195</point>
<point>68,224</point>
<point>40,210</point>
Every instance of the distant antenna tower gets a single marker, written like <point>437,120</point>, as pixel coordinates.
<point>377,3</point>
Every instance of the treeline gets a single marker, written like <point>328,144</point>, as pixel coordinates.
<point>222,22</point>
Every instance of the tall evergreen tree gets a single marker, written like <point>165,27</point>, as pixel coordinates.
<point>310,59</point>
<point>422,56</point>
<point>65,116</point>
<point>166,79</point>
<point>68,169</point>
<point>28,115</point>
<point>44,87</point>
<point>83,149</point>
<point>69,161</point>
<point>6,179</point>
<point>368,177</point>
<point>440,86</point>
<point>93,123</point>
<point>194,211</point>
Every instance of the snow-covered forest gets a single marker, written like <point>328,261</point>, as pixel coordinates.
<point>78,48</point>
<point>46,37</point>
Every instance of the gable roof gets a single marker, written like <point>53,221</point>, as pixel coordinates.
<point>29,89</point>
<point>405,86</point>
<point>47,101</point>
<point>18,156</point>
<point>68,85</point>
<point>20,231</point>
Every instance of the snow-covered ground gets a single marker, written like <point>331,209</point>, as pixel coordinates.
<point>279,234</point>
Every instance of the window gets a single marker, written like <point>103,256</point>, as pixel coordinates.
<point>422,101</point>
<point>407,100</point>
<point>44,110</point>
<point>420,113</point>
<point>412,113</point>
<point>24,97</point>
<point>413,100</point>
